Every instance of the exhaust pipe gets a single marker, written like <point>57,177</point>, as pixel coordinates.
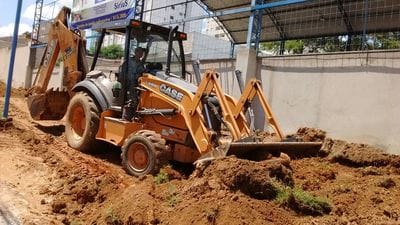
<point>196,70</point>
<point>250,111</point>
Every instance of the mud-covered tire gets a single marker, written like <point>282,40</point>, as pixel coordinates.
<point>144,153</point>
<point>82,123</point>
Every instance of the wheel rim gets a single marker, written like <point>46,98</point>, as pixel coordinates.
<point>138,157</point>
<point>78,121</point>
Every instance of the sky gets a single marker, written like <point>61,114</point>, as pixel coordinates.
<point>8,10</point>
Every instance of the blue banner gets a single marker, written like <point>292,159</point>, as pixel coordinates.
<point>86,13</point>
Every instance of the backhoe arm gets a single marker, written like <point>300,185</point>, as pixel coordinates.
<point>48,104</point>
<point>253,89</point>
<point>210,84</point>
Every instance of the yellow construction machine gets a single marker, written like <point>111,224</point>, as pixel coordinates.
<point>52,104</point>
<point>155,115</point>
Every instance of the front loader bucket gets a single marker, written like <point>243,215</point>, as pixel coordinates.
<point>262,150</point>
<point>51,105</point>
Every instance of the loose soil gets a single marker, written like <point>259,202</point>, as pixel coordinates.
<point>15,92</point>
<point>43,181</point>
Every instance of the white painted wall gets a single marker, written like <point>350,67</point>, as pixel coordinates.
<point>353,96</point>
<point>20,66</point>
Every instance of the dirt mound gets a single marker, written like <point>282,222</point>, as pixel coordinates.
<point>15,92</point>
<point>255,179</point>
<point>87,189</point>
<point>228,191</point>
<point>309,134</point>
<point>350,154</point>
<point>2,89</point>
<point>358,155</point>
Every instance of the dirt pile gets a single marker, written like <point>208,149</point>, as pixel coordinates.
<point>15,92</point>
<point>264,180</point>
<point>76,181</point>
<point>94,189</point>
<point>310,134</point>
<point>257,180</point>
<point>350,154</point>
<point>224,190</point>
<point>358,155</point>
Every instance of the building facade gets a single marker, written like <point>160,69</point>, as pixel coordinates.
<point>200,32</point>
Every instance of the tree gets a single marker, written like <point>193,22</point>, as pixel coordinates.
<point>109,52</point>
<point>112,52</point>
<point>291,46</point>
<point>295,46</point>
<point>388,40</point>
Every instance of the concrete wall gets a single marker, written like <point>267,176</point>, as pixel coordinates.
<point>56,78</point>
<point>353,96</point>
<point>20,66</point>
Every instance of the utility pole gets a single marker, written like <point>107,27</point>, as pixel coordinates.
<point>12,59</point>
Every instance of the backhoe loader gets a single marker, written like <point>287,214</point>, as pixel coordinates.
<point>156,115</point>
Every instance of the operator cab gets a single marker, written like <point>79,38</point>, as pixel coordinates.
<point>163,57</point>
<point>164,54</point>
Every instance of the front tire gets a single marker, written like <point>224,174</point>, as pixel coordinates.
<point>82,123</point>
<point>144,153</point>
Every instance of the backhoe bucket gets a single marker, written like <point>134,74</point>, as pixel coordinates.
<point>51,105</point>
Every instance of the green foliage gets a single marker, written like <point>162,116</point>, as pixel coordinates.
<point>270,46</point>
<point>112,52</point>
<point>389,40</point>
<point>315,203</point>
<point>161,177</point>
<point>291,46</point>
<point>295,46</point>
<point>172,197</point>
<point>302,201</point>
<point>386,40</point>
<point>282,195</point>
<point>92,50</point>
<point>109,52</point>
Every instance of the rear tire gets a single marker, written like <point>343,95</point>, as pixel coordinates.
<point>82,123</point>
<point>144,153</point>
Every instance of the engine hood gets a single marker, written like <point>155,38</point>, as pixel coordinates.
<point>177,81</point>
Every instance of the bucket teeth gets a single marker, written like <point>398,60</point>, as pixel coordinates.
<point>218,152</point>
